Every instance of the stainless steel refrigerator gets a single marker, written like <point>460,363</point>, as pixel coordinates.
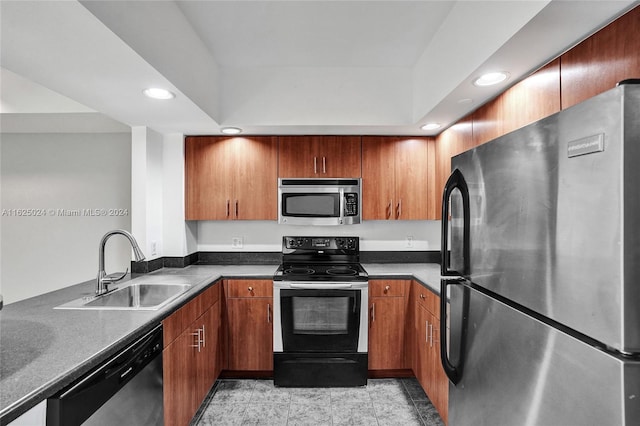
<point>541,241</point>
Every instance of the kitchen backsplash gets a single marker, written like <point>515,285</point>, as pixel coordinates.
<point>265,236</point>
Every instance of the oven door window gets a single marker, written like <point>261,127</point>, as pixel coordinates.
<point>311,204</point>
<point>320,320</point>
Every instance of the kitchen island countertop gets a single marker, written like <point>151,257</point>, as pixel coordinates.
<point>42,349</point>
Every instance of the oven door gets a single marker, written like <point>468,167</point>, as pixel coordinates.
<point>321,317</point>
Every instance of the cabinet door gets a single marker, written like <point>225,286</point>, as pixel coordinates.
<point>319,157</point>
<point>208,359</point>
<point>422,370</point>
<point>297,157</point>
<point>386,333</point>
<point>339,156</point>
<point>179,361</point>
<point>440,381</point>
<point>255,186</point>
<point>378,178</point>
<point>415,179</point>
<point>250,333</point>
<point>208,178</point>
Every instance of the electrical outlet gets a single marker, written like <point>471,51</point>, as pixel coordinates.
<point>237,242</point>
<point>154,248</point>
<point>409,241</point>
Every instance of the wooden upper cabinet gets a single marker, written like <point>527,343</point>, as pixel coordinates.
<point>453,141</point>
<point>319,157</point>
<point>398,177</point>
<point>378,178</point>
<point>415,178</point>
<point>602,60</point>
<point>231,178</point>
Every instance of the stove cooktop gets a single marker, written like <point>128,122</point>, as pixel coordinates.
<point>321,272</point>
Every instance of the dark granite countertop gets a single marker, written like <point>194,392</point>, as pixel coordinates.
<point>43,349</point>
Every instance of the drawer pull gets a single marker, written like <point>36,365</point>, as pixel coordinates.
<point>250,289</point>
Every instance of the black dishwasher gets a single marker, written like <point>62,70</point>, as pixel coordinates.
<point>124,390</point>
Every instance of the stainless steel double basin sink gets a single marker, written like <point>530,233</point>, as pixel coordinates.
<point>131,296</point>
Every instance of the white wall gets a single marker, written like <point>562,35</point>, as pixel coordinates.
<point>267,236</point>
<point>147,190</point>
<point>61,175</point>
<point>179,237</point>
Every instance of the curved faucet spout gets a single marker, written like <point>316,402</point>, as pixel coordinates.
<point>103,280</point>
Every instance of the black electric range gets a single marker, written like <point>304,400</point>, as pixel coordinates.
<point>320,320</point>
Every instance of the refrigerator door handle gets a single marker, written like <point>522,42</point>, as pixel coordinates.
<point>455,181</point>
<point>454,372</point>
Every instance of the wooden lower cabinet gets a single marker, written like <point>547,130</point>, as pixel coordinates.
<point>179,375</point>
<point>249,324</point>
<point>426,361</point>
<point>191,361</point>
<point>387,317</point>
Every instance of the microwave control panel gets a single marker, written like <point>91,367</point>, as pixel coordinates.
<point>351,204</point>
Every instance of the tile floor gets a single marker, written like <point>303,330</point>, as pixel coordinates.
<point>258,402</point>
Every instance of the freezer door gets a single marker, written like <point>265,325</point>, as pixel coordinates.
<point>520,371</point>
<point>554,211</point>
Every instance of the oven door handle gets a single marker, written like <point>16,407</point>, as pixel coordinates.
<point>319,286</point>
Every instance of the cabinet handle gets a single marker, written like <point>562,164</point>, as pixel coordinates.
<point>204,338</point>
<point>315,165</point>
<point>236,209</point>
<point>426,331</point>
<point>269,312</point>
<point>387,288</point>
<point>430,335</point>
<point>421,296</point>
<point>399,208</point>
<point>198,339</point>
<point>228,207</point>
<point>373,312</point>
<point>324,165</point>
<point>250,289</point>
<point>390,209</point>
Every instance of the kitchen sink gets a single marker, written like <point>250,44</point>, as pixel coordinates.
<point>138,296</point>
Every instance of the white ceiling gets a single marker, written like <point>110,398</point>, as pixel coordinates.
<point>277,67</point>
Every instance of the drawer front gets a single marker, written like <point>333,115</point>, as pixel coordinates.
<point>248,288</point>
<point>388,288</point>
<point>429,300</point>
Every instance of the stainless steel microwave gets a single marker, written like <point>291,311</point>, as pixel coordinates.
<point>319,201</point>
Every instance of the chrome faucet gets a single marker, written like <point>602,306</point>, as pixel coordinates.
<point>103,280</point>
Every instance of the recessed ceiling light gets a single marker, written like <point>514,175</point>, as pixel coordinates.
<point>157,93</point>
<point>231,130</point>
<point>431,126</point>
<point>491,78</point>
<point>465,101</point>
